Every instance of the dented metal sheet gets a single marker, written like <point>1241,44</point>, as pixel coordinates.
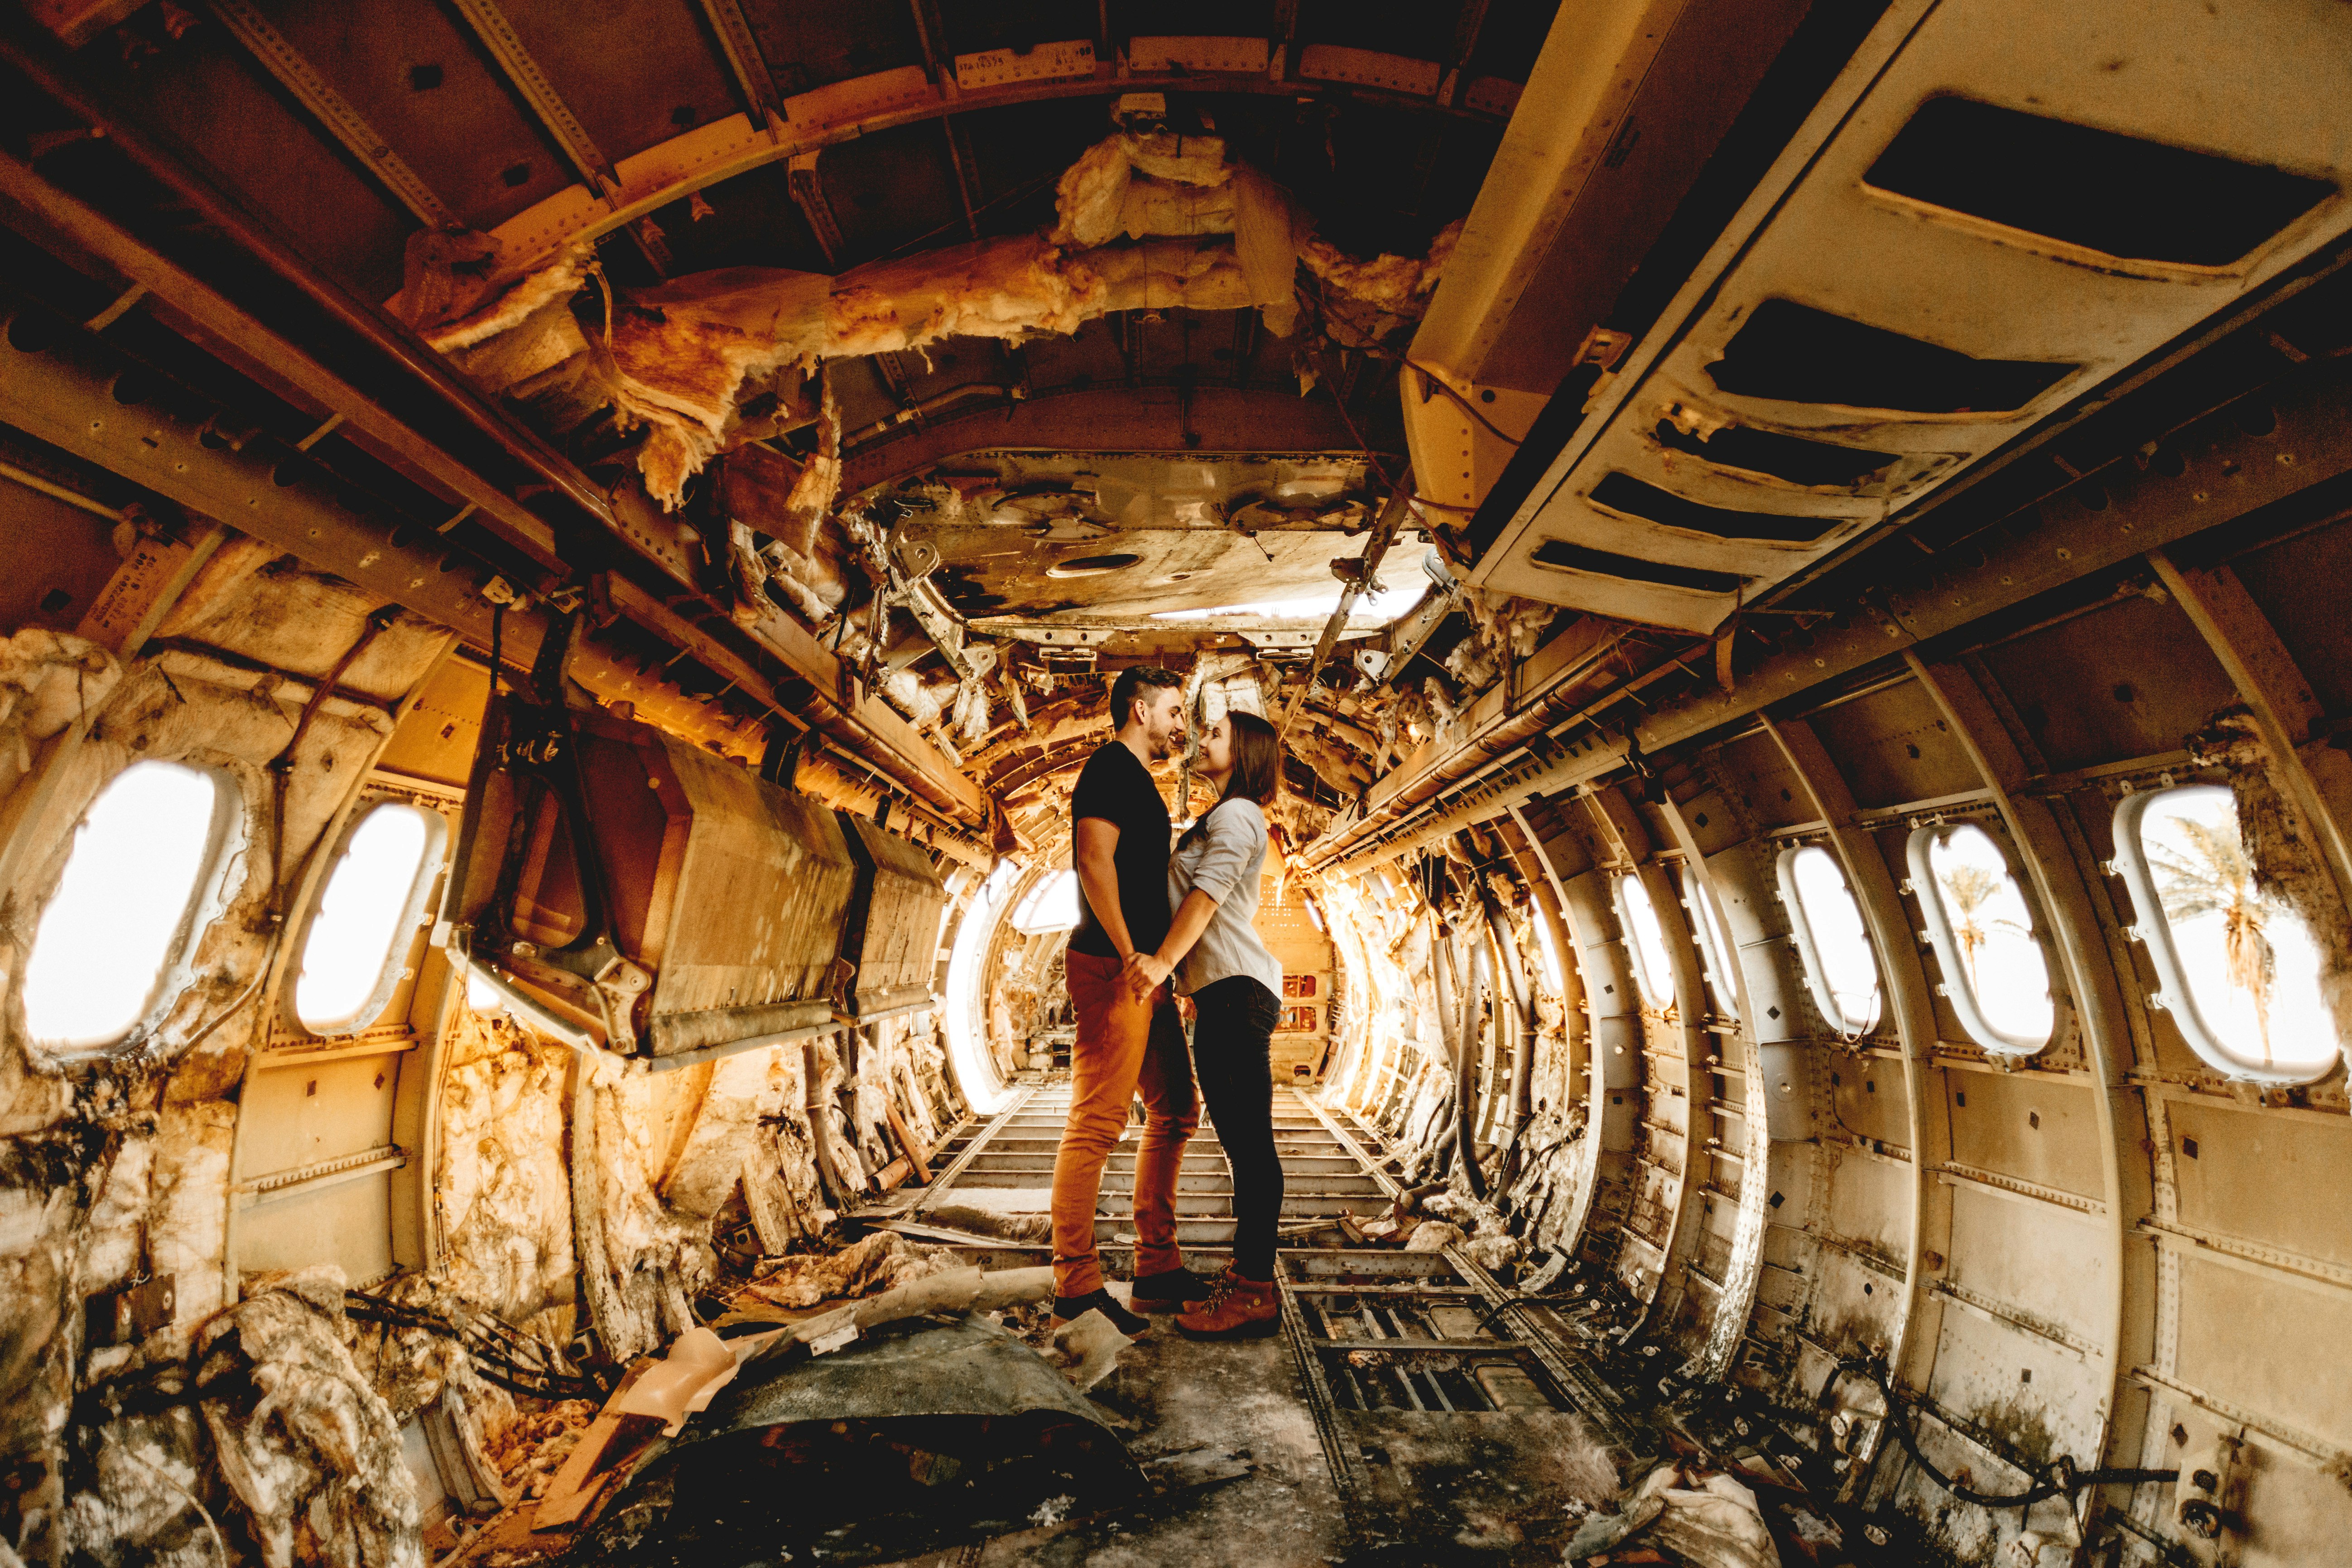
<point>915,1367</point>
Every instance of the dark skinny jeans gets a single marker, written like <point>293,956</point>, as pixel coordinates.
<point>1232,1059</point>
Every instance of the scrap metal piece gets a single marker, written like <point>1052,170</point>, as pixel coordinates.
<point>913,1367</point>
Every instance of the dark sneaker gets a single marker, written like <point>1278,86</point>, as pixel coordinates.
<point>1169,1290</point>
<point>1068,1310</point>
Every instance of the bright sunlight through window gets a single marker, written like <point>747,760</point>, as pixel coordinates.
<point>2240,969</point>
<point>1714,944</point>
<point>1654,964</point>
<point>1052,905</point>
<point>967,1036</point>
<point>121,912</point>
<point>1551,952</point>
<point>369,907</point>
<point>1994,971</point>
<point>481,994</point>
<point>1839,966</point>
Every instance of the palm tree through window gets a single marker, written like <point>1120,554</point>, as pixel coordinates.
<point>1994,969</point>
<point>2240,972</point>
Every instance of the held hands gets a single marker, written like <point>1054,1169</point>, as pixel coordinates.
<point>1145,972</point>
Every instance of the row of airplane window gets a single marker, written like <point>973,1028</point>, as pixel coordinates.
<point>2237,968</point>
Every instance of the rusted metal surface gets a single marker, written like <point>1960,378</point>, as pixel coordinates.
<point>1150,419</point>
<point>2224,472</point>
<point>1891,930</point>
<point>728,892</point>
<point>889,931</point>
<point>271,356</point>
<point>1617,494</point>
<point>364,321</point>
<point>2110,1249</point>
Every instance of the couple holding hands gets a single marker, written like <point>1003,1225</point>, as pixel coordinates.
<point>1152,919</point>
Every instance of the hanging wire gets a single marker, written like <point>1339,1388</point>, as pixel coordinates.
<point>2058,1477</point>
<point>502,1354</point>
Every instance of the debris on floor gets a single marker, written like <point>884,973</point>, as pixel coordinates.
<point>803,1279</point>
<point>816,1454</point>
<point>964,1221</point>
<point>1088,1348</point>
<point>309,1451</point>
<point>1708,1522</point>
<point>530,1449</point>
<point>885,1361</point>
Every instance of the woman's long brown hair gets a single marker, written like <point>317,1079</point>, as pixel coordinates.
<point>1257,767</point>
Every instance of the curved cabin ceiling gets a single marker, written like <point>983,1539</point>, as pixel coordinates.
<point>564,561</point>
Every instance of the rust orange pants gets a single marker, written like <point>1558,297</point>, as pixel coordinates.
<point>1124,1046</point>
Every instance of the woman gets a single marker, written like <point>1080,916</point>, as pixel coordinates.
<point>1216,957</point>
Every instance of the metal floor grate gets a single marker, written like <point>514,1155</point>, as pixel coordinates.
<point>1323,1177</point>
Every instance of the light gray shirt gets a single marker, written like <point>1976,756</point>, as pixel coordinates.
<point>1224,861</point>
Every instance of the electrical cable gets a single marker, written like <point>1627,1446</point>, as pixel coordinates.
<point>2059,1478</point>
<point>500,1353</point>
<point>1516,1303</point>
<point>212,1527</point>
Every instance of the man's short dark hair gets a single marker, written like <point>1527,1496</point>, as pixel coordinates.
<point>1132,683</point>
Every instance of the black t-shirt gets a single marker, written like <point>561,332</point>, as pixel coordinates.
<point>1119,789</point>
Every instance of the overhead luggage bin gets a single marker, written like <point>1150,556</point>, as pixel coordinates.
<point>667,900</point>
<point>1998,210</point>
<point>889,936</point>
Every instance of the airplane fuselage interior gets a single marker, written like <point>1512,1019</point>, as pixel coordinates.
<point>1740,612</point>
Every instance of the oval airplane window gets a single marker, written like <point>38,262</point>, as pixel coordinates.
<point>1545,945</point>
<point>1653,966</point>
<point>1714,946</point>
<point>1994,969</point>
<point>1839,968</point>
<point>124,914</point>
<point>2241,973</point>
<point>374,898</point>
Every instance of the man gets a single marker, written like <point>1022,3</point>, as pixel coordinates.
<point>1129,1040</point>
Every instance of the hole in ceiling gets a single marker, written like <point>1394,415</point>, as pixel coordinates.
<point>1623,492</point>
<point>1789,458</point>
<point>1569,557</point>
<point>1798,354</point>
<point>516,175</point>
<point>1091,566</point>
<point>2118,194</point>
<point>422,79</point>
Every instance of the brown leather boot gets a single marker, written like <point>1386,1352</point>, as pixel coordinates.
<point>1238,1308</point>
